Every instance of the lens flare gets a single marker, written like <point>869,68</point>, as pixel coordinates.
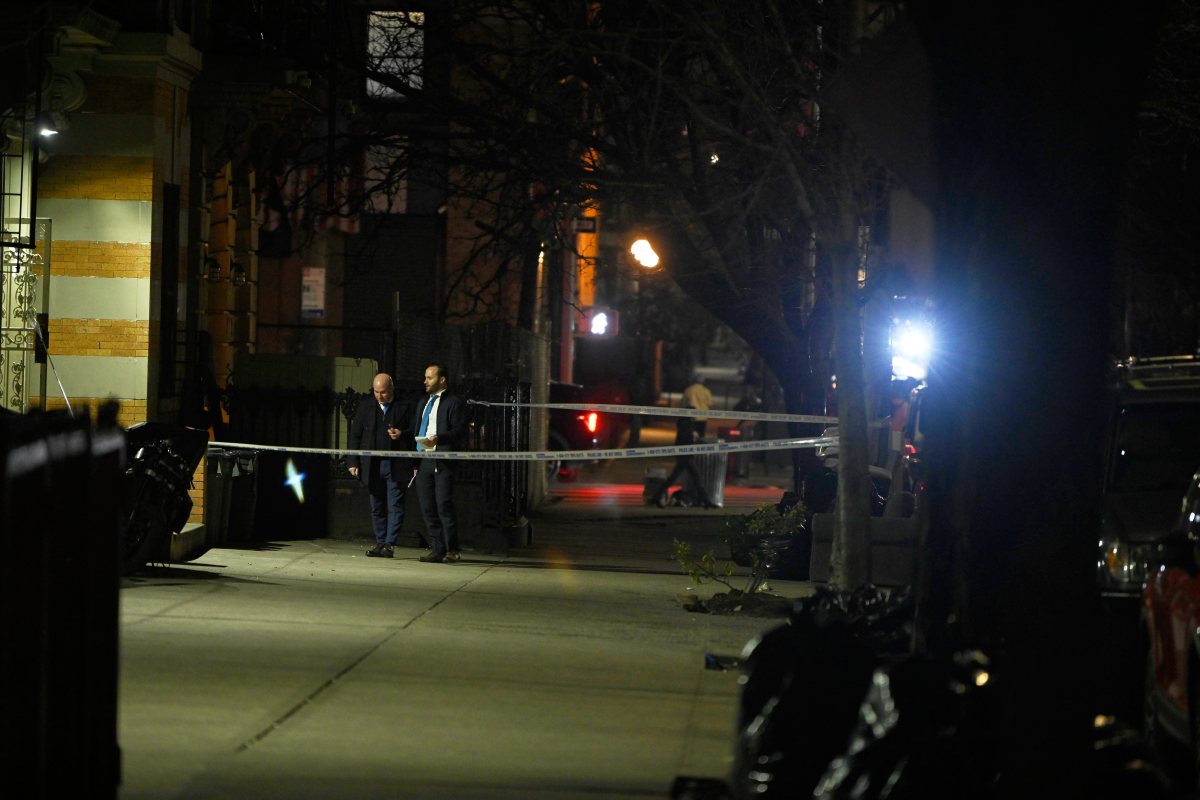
<point>295,479</point>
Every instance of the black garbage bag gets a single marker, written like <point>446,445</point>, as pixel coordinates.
<point>880,618</point>
<point>924,729</point>
<point>802,684</point>
<point>927,728</point>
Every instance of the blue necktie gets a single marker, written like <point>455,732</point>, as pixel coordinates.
<point>425,419</point>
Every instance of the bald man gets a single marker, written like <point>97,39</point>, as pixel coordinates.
<point>383,423</point>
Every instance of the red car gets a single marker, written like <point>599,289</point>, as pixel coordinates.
<point>1171,621</point>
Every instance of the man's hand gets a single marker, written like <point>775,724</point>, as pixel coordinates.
<point>393,433</point>
<point>431,441</point>
<point>354,472</point>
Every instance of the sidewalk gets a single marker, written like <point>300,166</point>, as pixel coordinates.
<point>305,670</point>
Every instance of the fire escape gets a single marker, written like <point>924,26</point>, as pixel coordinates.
<point>24,239</point>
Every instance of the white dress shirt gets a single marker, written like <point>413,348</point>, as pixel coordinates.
<point>431,428</point>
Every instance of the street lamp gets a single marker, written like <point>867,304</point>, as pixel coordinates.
<point>644,254</point>
<point>598,321</point>
<point>47,124</point>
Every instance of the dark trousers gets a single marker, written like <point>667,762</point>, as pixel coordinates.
<point>387,500</point>
<point>435,489</point>
<point>684,468</point>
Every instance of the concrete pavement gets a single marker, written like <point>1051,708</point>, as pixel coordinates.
<point>303,669</point>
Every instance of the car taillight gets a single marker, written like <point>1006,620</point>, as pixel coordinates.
<point>591,421</point>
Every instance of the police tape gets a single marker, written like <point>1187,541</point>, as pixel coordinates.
<point>661,411</point>
<point>703,448</point>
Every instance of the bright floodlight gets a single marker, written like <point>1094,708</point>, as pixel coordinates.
<point>903,368</point>
<point>915,343</point>
<point>912,346</point>
<point>599,325</point>
<point>644,254</point>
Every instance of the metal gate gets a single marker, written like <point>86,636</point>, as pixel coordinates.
<point>24,263</point>
<point>494,428</point>
<point>24,294</point>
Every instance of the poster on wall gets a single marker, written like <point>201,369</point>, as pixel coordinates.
<point>312,292</point>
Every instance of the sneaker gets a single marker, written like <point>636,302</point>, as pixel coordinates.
<point>453,556</point>
<point>432,558</point>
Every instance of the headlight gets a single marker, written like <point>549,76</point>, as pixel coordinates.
<point>1123,564</point>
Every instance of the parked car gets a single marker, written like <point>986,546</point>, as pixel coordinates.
<point>1152,446</point>
<point>1171,620</point>
<point>584,430</point>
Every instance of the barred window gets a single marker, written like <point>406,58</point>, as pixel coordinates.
<point>396,48</point>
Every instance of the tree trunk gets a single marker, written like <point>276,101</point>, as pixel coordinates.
<point>1024,275</point>
<point>850,565</point>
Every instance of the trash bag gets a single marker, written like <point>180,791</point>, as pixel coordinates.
<point>802,683</point>
<point>924,729</point>
<point>928,727</point>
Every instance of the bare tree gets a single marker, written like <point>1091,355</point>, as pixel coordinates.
<point>699,124</point>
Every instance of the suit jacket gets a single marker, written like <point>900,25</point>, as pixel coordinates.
<point>451,421</point>
<point>368,431</point>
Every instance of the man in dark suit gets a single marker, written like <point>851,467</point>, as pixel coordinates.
<point>441,424</point>
<point>382,423</point>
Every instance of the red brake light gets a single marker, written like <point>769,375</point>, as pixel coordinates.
<point>591,421</point>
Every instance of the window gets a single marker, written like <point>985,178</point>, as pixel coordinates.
<point>385,171</point>
<point>395,47</point>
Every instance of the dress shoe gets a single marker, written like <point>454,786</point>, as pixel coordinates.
<point>432,558</point>
<point>380,550</point>
<point>453,556</point>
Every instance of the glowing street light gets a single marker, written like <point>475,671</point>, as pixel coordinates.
<point>599,323</point>
<point>644,254</point>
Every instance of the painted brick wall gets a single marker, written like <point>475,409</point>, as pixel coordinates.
<point>131,412</point>
<point>97,178</point>
<point>119,94</point>
<point>99,337</point>
<point>102,259</point>
<point>197,494</point>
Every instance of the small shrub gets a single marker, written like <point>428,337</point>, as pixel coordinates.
<point>763,536</point>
